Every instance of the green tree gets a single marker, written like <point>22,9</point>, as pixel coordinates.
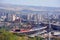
<point>4,35</point>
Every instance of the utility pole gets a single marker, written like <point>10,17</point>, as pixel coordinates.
<point>49,26</point>
<point>49,30</point>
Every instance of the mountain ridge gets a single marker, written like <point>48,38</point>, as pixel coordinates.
<point>21,7</point>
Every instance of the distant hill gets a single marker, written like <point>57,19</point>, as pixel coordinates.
<point>28,9</point>
<point>34,8</point>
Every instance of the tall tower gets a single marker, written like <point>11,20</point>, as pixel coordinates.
<point>13,17</point>
<point>6,17</point>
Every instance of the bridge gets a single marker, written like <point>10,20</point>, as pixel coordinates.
<point>54,26</point>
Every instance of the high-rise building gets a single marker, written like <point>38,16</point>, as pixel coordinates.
<point>13,17</point>
<point>10,17</point>
<point>6,19</point>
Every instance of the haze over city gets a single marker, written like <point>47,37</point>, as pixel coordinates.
<point>49,3</point>
<point>29,19</point>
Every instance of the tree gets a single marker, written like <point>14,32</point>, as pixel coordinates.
<point>4,35</point>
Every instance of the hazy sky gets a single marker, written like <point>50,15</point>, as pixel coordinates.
<point>50,3</point>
